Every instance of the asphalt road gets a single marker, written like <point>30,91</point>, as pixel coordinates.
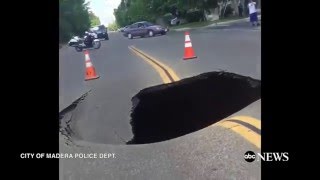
<point>101,121</point>
<point>234,48</point>
<point>104,115</point>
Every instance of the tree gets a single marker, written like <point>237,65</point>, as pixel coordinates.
<point>94,20</point>
<point>130,11</point>
<point>113,26</point>
<point>73,18</point>
<point>121,17</point>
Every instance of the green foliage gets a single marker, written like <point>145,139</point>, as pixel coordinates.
<point>228,11</point>
<point>120,17</point>
<point>131,11</point>
<point>167,18</point>
<point>73,18</point>
<point>94,20</point>
<point>113,26</point>
<point>194,16</point>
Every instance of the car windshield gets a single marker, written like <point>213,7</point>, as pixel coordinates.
<point>94,28</point>
<point>148,24</point>
<point>98,29</point>
<point>135,25</point>
<point>102,28</point>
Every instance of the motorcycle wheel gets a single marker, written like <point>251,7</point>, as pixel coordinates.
<point>78,49</point>
<point>97,45</point>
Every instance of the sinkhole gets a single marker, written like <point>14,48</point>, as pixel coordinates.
<point>172,110</point>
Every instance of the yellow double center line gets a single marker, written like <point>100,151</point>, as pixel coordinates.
<point>166,73</point>
<point>247,127</point>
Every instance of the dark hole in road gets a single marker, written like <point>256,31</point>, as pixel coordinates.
<point>171,110</point>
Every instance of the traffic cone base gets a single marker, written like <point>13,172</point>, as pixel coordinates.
<point>189,57</point>
<point>92,77</point>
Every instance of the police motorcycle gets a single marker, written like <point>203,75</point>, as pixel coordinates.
<point>89,40</point>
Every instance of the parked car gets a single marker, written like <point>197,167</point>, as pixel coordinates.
<point>101,31</point>
<point>175,21</point>
<point>144,29</point>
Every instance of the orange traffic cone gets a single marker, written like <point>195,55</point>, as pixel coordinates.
<point>90,70</point>
<point>188,50</point>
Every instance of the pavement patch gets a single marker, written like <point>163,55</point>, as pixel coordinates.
<point>172,110</point>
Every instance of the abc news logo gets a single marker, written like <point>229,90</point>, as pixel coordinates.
<point>250,156</point>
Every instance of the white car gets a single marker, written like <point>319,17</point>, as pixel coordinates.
<point>174,21</point>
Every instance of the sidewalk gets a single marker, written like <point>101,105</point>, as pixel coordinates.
<point>216,24</point>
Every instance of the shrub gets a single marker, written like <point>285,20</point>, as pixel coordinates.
<point>167,18</point>
<point>228,12</point>
<point>194,16</point>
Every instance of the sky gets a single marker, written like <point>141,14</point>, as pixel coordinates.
<point>104,9</point>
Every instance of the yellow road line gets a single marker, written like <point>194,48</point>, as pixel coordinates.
<point>171,72</point>
<point>159,63</point>
<point>250,120</point>
<point>166,73</point>
<point>162,74</point>
<point>246,133</point>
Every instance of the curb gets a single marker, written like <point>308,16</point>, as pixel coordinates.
<point>215,24</point>
<point>231,21</point>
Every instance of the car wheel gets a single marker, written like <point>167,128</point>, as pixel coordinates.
<point>150,33</point>
<point>163,33</point>
<point>130,36</point>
